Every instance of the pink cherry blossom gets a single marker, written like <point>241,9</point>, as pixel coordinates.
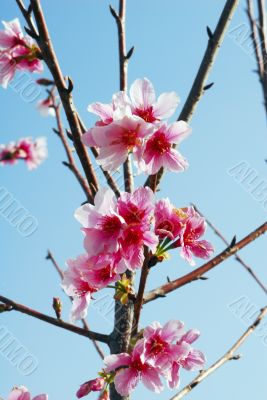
<point>76,286</point>
<point>132,242</point>
<point>145,105</point>
<point>116,140</point>
<point>22,393</point>
<point>192,360</point>
<point>160,349</point>
<point>17,52</point>
<point>12,35</point>
<point>104,269</point>
<point>102,224</point>
<point>32,152</point>
<point>194,228</point>
<point>95,385</point>
<point>168,219</point>
<point>137,207</point>
<point>134,368</point>
<point>159,152</point>
<point>45,107</point>
<point>108,113</point>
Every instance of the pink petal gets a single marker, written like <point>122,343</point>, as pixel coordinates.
<point>174,382</point>
<point>195,360</point>
<point>126,380</point>
<point>174,161</point>
<point>142,93</point>
<point>191,336</point>
<point>41,397</point>
<point>79,307</point>
<point>88,139</point>
<point>104,111</point>
<point>151,379</point>
<point>115,361</point>
<point>172,330</point>
<point>166,105</point>
<point>202,249</point>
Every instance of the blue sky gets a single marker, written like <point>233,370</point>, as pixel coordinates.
<point>228,127</point>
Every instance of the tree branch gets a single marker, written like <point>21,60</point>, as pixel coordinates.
<point>123,63</point>
<point>54,321</point>
<point>84,322</point>
<point>197,89</point>
<point>71,162</point>
<point>259,55</point>
<point>197,273</point>
<point>239,259</point>
<point>229,355</point>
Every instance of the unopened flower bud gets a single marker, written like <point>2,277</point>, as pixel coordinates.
<point>57,306</point>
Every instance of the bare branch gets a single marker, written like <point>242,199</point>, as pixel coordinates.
<point>197,89</point>
<point>237,257</point>
<point>54,321</point>
<point>197,273</point>
<point>228,356</point>
<point>71,162</point>
<point>84,322</point>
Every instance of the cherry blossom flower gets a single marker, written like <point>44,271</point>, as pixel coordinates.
<point>104,269</point>
<point>45,107</point>
<point>168,219</point>
<point>159,347</point>
<point>12,35</point>
<point>22,393</point>
<point>194,228</point>
<point>193,360</point>
<point>134,368</point>
<point>119,107</point>
<point>145,105</point>
<point>76,286</point>
<point>102,224</point>
<point>95,385</point>
<point>17,52</point>
<point>159,152</point>
<point>137,207</point>
<point>116,140</point>
<point>133,240</point>
<point>32,152</point>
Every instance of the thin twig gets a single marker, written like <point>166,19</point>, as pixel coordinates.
<point>228,356</point>
<point>258,36</point>
<point>71,162</point>
<point>54,321</point>
<point>123,63</point>
<point>50,58</point>
<point>237,257</point>
<point>84,322</point>
<point>197,89</point>
<point>199,272</point>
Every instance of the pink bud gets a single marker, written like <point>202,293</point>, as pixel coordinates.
<point>95,385</point>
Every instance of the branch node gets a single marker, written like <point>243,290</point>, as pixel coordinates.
<point>70,85</point>
<point>113,12</point>
<point>69,134</point>
<point>207,87</point>
<point>130,53</point>
<point>209,32</point>
<point>56,131</point>
<point>31,33</point>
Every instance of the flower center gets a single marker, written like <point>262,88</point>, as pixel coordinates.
<point>145,114</point>
<point>110,224</point>
<point>159,144</point>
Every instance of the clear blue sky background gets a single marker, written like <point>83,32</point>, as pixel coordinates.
<point>228,127</point>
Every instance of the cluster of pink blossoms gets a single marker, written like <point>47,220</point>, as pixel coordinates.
<point>135,124</point>
<point>33,152</point>
<point>160,354</point>
<point>22,393</point>
<point>116,232</point>
<point>17,52</point>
